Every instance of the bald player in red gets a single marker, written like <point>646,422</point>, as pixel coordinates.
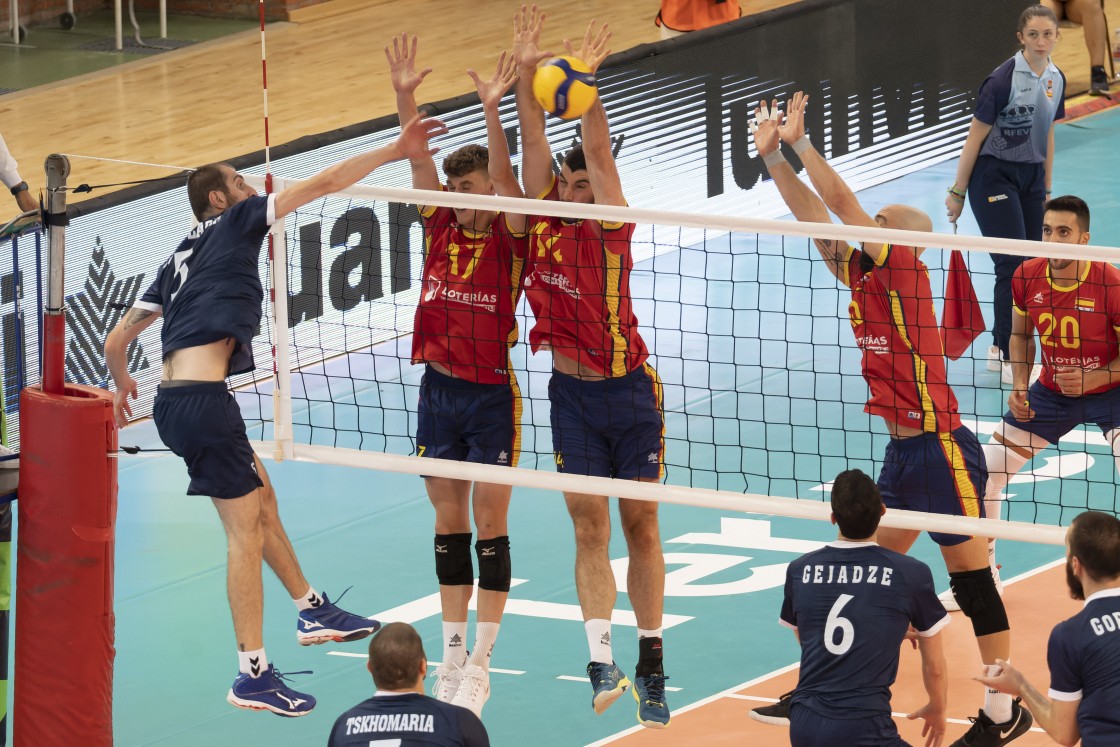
<point>1075,307</point>
<point>470,404</point>
<point>932,463</point>
<point>606,400</point>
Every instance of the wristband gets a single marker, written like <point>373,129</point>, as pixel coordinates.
<point>958,192</point>
<point>773,158</point>
<point>802,145</point>
<point>1048,192</point>
<point>955,196</point>
<point>22,187</point>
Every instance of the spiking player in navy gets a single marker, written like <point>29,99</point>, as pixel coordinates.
<point>850,605</point>
<point>209,294</point>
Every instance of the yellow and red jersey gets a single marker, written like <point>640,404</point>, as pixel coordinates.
<point>472,282</point>
<point>1078,322</point>
<point>896,327</point>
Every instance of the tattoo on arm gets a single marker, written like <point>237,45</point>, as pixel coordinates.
<point>135,316</point>
<point>833,252</point>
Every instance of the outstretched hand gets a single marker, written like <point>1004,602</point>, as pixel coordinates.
<point>491,91</point>
<point>413,141</point>
<point>402,64</point>
<point>594,48</point>
<point>765,126</point>
<point>793,129</point>
<point>527,25</point>
<point>1010,680</point>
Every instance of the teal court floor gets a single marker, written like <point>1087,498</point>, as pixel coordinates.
<point>372,531</point>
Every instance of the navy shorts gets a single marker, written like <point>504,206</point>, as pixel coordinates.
<point>938,473</point>
<point>468,422</point>
<point>1055,414</point>
<point>608,427</point>
<point>807,728</point>
<point>202,424</point>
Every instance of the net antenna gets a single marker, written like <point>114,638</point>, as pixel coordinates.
<point>278,264</point>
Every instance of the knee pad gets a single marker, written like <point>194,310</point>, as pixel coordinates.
<point>975,592</point>
<point>453,560</point>
<point>494,571</point>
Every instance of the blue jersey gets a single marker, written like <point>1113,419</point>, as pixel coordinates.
<point>851,604</point>
<point>1084,659</point>
<point>210,288</point>
<point>407,720</point>
<point>1021,107</point>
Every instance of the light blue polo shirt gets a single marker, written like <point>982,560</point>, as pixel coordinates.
<point>1020,106</point>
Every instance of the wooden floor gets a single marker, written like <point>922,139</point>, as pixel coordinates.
<point>325,70</point>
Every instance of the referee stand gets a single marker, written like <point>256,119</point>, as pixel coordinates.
<point>68,500</point>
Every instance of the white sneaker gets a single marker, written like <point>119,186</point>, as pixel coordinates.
<point>474,689</point>
<point>448,677</point>
<point>950,601</point>
<point>993,358</point>
<point>1005,374</point>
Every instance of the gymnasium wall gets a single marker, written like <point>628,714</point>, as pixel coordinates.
<point>678,112</point>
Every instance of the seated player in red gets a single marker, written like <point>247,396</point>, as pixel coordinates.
<point>470,405</point>
<point>932,463</point>
<point>606,399</point>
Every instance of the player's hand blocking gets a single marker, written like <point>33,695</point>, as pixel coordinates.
<point>402,65</point>
<point>793,128</point>
<point>491,91</point>
<point>527,25</point>
<point>594,48</point>
<point>765,126</point>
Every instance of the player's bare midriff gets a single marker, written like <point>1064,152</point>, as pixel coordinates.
<point>208,362</point>
<point>572,367</point>
<point>902,431</point>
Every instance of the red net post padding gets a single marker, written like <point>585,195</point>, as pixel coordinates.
<point>64,573</point>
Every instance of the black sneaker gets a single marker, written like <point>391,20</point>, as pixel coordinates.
<point>776,714</point>
<point>985,733</point>
<point>1098,82</point>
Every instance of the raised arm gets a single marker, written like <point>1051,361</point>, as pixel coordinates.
<point>977,133</point>
<point>935,678</point>
<point>802,201</point>
<point>135,321</point>
<point>601,167</point>
<point>1057,717</point>
<point>500,167</point>
<point>405,79</point>
<point>536,155</point>
<point>411,144</point>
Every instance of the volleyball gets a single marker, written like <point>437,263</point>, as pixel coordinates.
<point>565,87</point>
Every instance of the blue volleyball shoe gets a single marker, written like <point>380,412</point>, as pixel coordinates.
<point>329,622</point>
<point>653,711</point>
<point>608,682</point>
<point>269,693</point>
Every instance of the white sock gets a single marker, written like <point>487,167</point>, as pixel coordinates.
<point>253,663</point>
<point>650,633</point>
<point>599,640</point>
<point>454,643</point>
<point>485,634</point>
<point>996,704</point>
<point>308,601</point>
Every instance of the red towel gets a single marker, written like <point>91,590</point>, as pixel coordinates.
<point>961,319</point>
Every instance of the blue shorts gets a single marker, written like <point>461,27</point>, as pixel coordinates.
<point>1055,414</point>
<point>468,422</point>
<point>938,473</point>
<point>608,427</point>
<point>807,728</point>
<point>202,424</point>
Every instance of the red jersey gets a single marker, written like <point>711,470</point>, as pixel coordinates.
<point>472,283</point>
<point>1078,324</point>
<point>896,327</point>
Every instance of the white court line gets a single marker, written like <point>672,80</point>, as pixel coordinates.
<point>732,691</point>
<point>961,721</point>
<point>570,678</point>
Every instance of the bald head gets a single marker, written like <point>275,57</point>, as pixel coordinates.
<point>904,218</point>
